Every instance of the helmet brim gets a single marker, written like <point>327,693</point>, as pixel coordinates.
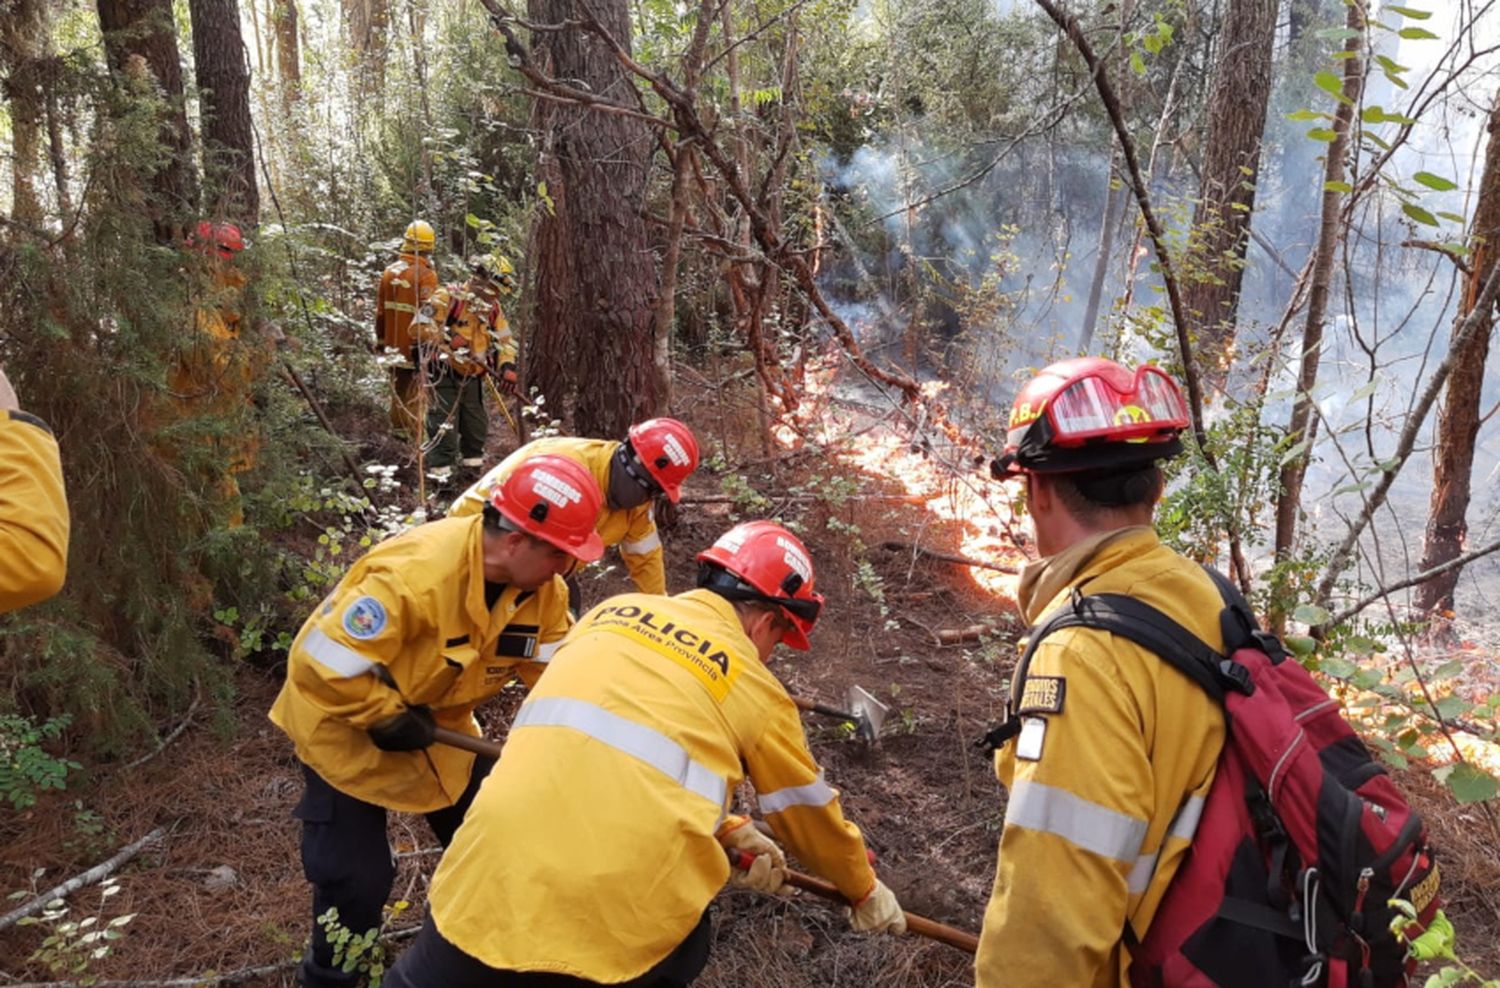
<point>588,551</point>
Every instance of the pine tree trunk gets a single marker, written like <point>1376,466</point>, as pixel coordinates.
<point>140,45</point>
<point>23,48</point>
<point>1226,199</point>
<point>608,303</point>
<point>288,51</point>
<point>367,24</point>
<point>1302,429</point>
<point>224,101</point>
<point>1458,415</point>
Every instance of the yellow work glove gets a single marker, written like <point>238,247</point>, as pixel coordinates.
<point>768,872</point>
<point>878,912</point>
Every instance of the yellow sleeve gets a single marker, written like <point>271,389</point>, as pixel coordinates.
<point>1080,803</point>
<point>803,809</point>
<point>642,551</point>
<point>362,627</point>
<point>505,340</point>
<point>33,513</point>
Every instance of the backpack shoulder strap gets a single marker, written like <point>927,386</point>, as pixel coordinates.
<point>1238,624</point>
<point>1140,623</point>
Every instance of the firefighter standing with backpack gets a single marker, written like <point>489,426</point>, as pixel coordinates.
<point>422,629</point>
<point>1116,749</point>
<point>465,336</point>
<point>404,287</point>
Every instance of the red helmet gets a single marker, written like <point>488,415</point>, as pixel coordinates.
<point>669,452</point>
<point>555,499</point>
<point>1089,413</point>
<point>224,238</point>
<point>760,560</point>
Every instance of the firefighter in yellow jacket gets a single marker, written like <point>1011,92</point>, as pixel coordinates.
<point>421,630</point>
<point>594,848</point>
<point>1116,749</point>
<point>33,507</point>
<point>465,336</point>
<point>654,459</point>
<point>404,287</point>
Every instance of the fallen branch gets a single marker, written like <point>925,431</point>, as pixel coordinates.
<point>173,735</point>
<point>946,557</point>
<point>242,976</point>
<point>95,874</point>
<point>967,636</point>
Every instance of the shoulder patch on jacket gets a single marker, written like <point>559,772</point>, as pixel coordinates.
<point>365,618</point>
<point>1043,695</point>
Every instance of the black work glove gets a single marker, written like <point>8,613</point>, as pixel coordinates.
<point>410,730</point>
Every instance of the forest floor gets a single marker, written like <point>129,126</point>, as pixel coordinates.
<point>224,892</point>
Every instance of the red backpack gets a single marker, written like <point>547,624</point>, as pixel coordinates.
<point>1303,836</point>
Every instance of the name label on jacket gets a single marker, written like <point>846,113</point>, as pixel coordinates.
<point>712,665</point>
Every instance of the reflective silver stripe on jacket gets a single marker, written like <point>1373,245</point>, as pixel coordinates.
<point>637,740</point>
<point>642,545</point>
<point>332,655</point>
<point>815,793</point>
<point>1184,826</point>
<point>1095,828</point>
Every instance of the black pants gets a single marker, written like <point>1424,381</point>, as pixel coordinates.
<point>433,962</point>
<point>346,857</point>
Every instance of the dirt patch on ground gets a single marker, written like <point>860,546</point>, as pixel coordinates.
<point>225,892</point>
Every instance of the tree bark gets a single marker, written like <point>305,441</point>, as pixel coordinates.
<point>1231,165</point>
<point>140,45</point>
<point>1302,429</point>
<point>23,49</point>
<point>367,23</point>
<point>224,100</point>
<point>288,52</point>
<point>609,302</point>
<point>1458,415</point>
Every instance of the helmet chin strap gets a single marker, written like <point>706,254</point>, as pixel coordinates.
<point>625,489</point>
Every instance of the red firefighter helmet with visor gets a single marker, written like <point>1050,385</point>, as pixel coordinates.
<point>556,500</point>
<point>761,561</point>
<point>1090,413</point>
<point>668,450</point>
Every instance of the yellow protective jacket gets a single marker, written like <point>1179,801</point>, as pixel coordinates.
<point>414,606</point>
<point>1105,795</point>
<point>590,850</point>
<point>470,330</point>
<point>33,512</point>
<point>403,289</point>
<point>632,529</point>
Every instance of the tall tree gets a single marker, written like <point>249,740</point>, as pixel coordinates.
<point>140,44</point>
<point>224,100</point>
<point>596,238</point>
<point>367,23</point>
<point>24,47</point>
<point>1458,415</point>
<point>1303,428</point>
<point>1231,166</point>
<point>288,52</point>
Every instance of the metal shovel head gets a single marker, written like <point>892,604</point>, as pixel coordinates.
<point>869,711</point>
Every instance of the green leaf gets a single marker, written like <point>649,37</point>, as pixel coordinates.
<point>1310,614</point>
<point>1448,670</point>
<point>1137,63</point>
<point>1396,80</point>
<point>1416,15</point>
<point>1419,214</point>
<point>1451,706</point>
<point>1301,115</point>
<point>1300,645</point>
<point>1333,86</point>
<point>1468,784</point>
<point>1391,65</point>
<point>1376,139</point>
<point>1337,667</point>
<point>1343,187</point>
<point>473,220</point>
<point>1417,34</point>
<point>1435,182</point>
<point>1323,134</point>
<point>1450,217</point>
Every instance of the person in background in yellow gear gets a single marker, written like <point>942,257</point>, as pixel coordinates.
<point>466,336</point>
<point>404,287</point>
<point>1113,748</point>
<point>216,369</point>
<point>422,629</point>
<point>33,507</point>
<point>654,460</point>
<point>594,848</point>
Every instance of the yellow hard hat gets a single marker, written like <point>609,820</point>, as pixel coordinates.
<point>419,237</point>
<point>496,268</point>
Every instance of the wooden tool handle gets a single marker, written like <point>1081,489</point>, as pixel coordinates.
<point>813,706</point>
<point>920,925</point>
<point>467,742</point>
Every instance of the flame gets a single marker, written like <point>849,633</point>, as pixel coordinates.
<point>933,473</point>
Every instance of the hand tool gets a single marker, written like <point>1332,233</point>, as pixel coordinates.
<point>865,712</point>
